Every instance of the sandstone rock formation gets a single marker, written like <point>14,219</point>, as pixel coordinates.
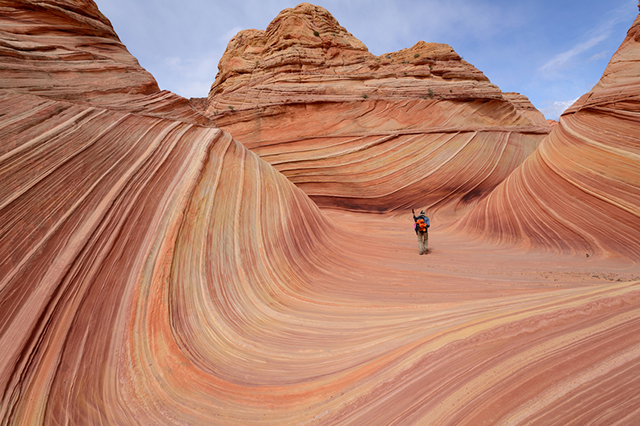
<point>364,132</point>
<point>289,63</point>
<point>155,271</point>
<point>67,50</point>
<point>580,190</point>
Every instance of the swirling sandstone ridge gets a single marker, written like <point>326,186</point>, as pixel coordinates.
<point>155,271</point>
<point>364,132</point>
<point>580,190</point>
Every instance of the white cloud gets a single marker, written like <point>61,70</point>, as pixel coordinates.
<point>555,110</point>
<point>173,62</point>
<point>386,26</point>
<point>593,38</point>
<point>598,56</point>
<point>563,58</point>
<point>194,89</point>
<point>192,77</point>
<point>224,38</point>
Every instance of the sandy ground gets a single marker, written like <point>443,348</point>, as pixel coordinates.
<point>456,257</point>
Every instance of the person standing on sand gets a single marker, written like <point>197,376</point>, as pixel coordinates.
<point>421,227</point>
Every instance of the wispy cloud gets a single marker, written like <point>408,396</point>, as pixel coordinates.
<point>593,38</point>
<point>598,56</point>
<point>555,110</point>
<point>194,74</point>
<point>180,43</point>
<point>563,58</point>
<point>224,38</point>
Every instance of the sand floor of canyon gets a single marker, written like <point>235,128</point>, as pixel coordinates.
<point>458,266</point>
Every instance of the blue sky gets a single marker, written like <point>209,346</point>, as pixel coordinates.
<point>551,51</point>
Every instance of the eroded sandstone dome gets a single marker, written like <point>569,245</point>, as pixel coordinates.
<point>356,131</point>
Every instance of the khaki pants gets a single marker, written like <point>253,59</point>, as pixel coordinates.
<point>423,241</point>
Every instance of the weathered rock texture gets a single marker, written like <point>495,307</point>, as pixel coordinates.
<point>67,50</point>
<point>154,271</point>
<point>580,190</point>
<point>365,132</point>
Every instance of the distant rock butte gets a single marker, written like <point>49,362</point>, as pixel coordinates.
<point>580,190</point>
<point>306,56</point>
<point>370,133</point>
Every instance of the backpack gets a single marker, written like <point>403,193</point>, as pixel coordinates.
<point>421,225</point>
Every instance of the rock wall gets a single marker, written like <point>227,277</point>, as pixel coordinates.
<point>67,50</point>
<point>114,226</point>
<point>580,190</point>
<point>370,133</point>
<point>112,190</point>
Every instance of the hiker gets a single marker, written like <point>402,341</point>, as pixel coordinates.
<point>421,227</point>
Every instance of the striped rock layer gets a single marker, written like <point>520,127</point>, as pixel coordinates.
<point>68,50</point>
<point>155,271</point>
<point>580,190</point>
<point>418,127</point>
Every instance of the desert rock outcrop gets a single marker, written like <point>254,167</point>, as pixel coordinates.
<point>67,50</point>
<point>580,190</point>
<point>304,55</point>
<point>311,100</point>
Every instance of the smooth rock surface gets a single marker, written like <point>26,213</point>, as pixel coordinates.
<point>580,190</point>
